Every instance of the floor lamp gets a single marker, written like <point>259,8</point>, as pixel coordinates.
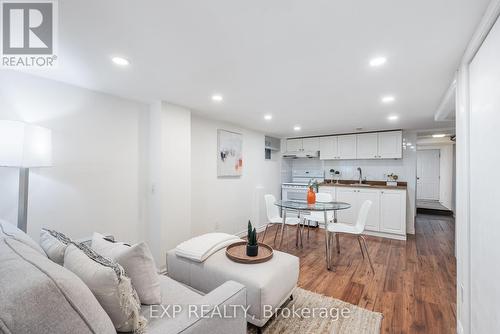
<point>24,146</point>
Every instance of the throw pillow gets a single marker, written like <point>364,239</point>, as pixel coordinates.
<point>138,263</point>
<point>107,281</point>
<point>54,244</point>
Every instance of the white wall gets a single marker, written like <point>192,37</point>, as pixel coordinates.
<point>484,195</point>
<point>170,178</point>
<point>97,182</point>
<point>373,170</point>
<point>477,198</point>
<point>226,204</point>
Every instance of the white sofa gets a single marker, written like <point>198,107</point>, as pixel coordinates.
<point>40,296</point>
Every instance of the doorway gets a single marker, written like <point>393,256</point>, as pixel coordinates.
<point>428,165</point>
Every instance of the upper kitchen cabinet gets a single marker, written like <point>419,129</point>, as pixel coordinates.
<point>294,145</point>
<point>346,146</point>
<point>390,145</point>
<point>367,146</point>
<point>381,145</point>
<point>310,144</point>
<point>302,145</point>
<point>328,148</point>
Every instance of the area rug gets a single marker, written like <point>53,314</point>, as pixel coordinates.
<point>313,313</point>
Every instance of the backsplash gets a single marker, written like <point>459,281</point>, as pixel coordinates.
<point>375,170</point>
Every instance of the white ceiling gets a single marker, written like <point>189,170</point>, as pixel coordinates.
<point>305,62</point>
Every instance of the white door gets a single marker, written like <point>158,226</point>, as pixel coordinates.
<point>373,221</point>
<point>428,174</point>
<point>393,211</point>
<point>390,145</point>
<point>310,144</point>
<point>367,146</point>
<point>347,146</point>
<point>328,148</point>
<point>347,195</point>
<point>293,145</point>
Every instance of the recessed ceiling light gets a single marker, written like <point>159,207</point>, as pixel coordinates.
<point>379,61</point>
<point>393,118</point>
<point>297,127</point>
<point>388,99</point>
<point>268,117</point>
<point>120,61</point>
<point>439,135</point>
<point>217,98</point>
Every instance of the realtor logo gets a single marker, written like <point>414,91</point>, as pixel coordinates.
<point>28,33</point>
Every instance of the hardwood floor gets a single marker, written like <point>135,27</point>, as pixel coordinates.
<point>414,281</point>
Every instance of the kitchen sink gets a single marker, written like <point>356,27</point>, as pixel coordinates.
<point>360,185</point>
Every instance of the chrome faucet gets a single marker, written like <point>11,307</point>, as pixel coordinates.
<point>360,175</point>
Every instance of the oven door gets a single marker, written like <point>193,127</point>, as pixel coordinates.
<point>294,194</point>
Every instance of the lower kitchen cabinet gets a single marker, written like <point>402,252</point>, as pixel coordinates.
<point>393,211</point>
<point>387,216</point>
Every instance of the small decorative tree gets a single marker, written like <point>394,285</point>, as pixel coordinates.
<point>252,244</point>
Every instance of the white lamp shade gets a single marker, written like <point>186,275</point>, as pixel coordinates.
<point>24,145</point>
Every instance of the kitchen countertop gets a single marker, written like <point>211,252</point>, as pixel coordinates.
<point>372,184</point>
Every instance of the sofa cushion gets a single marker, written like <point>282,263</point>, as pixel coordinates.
<point>172,293</point>
<point>109,285</point>
<point>39,296</point>
<point>138,263</point>
<point>54,244</point>
<point>8,230</point>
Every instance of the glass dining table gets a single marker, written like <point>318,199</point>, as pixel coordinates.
<point>304,207</point>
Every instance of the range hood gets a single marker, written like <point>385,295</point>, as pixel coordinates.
<point>301,154</point>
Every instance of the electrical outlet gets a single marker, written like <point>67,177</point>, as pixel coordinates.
<point>217,226</point>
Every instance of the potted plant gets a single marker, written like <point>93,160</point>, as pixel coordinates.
<point>252,245</point>
<point>392,180</point>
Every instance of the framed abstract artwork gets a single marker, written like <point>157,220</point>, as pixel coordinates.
<point>229,153</point>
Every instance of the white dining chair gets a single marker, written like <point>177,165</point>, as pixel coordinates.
<point>357,229</point>
<point>319,216</point>
<point>273,217</point>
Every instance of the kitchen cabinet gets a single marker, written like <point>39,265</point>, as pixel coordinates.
<point>381,145</point>
<point>302,145</point>
<point>367,146</point>
<point>346,146</point>
<point>310,144</point>
<point>347,195</point>
<point>390,145</point>
<point>356,197</point>
<point>387,216</point>
<point>328,148</point>
<point>329,190</point>
<point>393,211</point>
<point>374,145</point>
<point>293,145</point>
<point>373,220</point>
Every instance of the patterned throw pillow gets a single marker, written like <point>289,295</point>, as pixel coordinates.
<point>109,284</point>
<point>138,263</point>
<point>54,244</point>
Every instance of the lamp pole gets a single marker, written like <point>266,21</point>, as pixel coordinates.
<point>22,208</point>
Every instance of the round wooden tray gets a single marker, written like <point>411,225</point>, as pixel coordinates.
<point>238,253</point>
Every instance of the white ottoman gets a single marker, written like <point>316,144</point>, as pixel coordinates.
<point>269,283</point>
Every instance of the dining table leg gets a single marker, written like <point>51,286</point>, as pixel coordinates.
<point>283,227</point>
<point>337,240</point>
<point>327,242</point>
